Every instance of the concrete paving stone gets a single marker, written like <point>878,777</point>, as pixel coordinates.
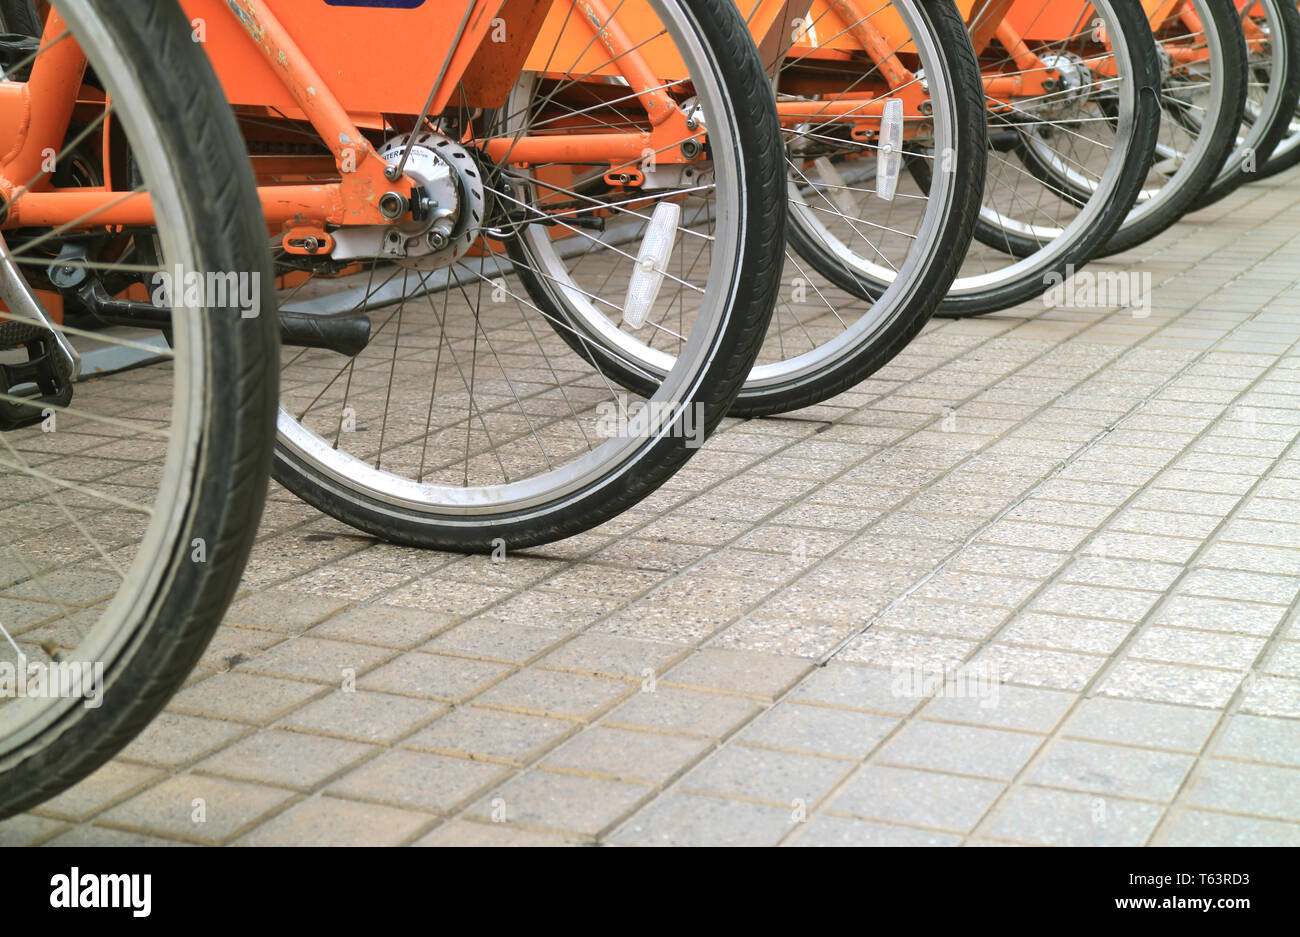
<point>818,729</point>
<point>1060,670</point>
<point>1121,573</point>
<point>106,786</point>
<point>1170,683</point>
<point>1116,544</point>
<point>1225,584</point>
<point>665,623</point>
<point>495,640</point>
<point>562,802</point>
<point>604,581</point>
<point>680,819</point>
<point>626,754</point>
<point>536,609</point>
<point>844,831</point>
<point>757,774</point>
<point>934,526</point>
<point>748,672</point>
<point>1238,556</point>
<point>509,572</point>
<point>783,539</point>
<point>876,547</point>
<point>1063,818</point>
<point>852,687</point>
<point>384,625</point>
<point>1284,659</point>
<point>173,739</point>
<point>612,656</point>
<point>1272,696</point>
<point>1062,632</point>
<point>286,759</point>
<point>317,659</point>
<point>230,646</point>
<point>1134,722</point>
<point>244,697</point>
<point>1095,602</point>
<point>692,712</point>
<point>436,676</point>
<point>195,807</point>
<point>458,832</point>
<point>421,780</point>
<point>1181,646</point>
<point>834,606</point>
<point>1203,828</point>
<point>1260,790</point>
<point>1111,769</point>
<point>934,616</point>
<point>786,636</point>
<point>281,611</point>
<point>978,589</point>
<point>1068,513</point>
<point>332,821</point>
<point>1005,560</point>
<point>27,829</point>
<point>1002,706</point>
<point>971,750</point>
<point>1164,523</point>
<point>345,583</point>
<point>490,733</point>
<point>446,597</point>
<point>363,715</point>
<point>917,798</point>
<point>694,590</point>
<point>1040,536</point>
<point>1185,611</point>
<point>100,836</point>
<point>1256,738</point>
<point>884,647</point>
<point>552,693</point>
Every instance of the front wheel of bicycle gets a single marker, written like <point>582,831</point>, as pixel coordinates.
<point>130,507</point>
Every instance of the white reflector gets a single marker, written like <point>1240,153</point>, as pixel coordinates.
<point>651,264</point>
<point>889,158</point>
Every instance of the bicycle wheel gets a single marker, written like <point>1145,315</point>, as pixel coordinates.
<point>1202,103</point>
<point>867,261</point>
<point>1273,41</point>
<point>1097,124</point>
<point>467,423</point>
<point>129,504</point>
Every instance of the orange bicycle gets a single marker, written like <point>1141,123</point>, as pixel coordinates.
<point>436,226</point>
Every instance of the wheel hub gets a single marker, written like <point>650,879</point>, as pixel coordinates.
<point>445,205</point>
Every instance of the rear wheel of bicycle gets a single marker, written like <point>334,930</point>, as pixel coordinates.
<point>1202,101</point>
<point>891,245</point>
<point>468,423</point>
<point>1099,128</point>
<point>1273,60</point>
<point>129,508</point>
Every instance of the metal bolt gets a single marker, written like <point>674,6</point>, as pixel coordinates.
<point>393,205</point>
<point>927,107</point>
<point>690,149</point>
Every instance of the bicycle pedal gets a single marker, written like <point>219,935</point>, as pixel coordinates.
<point>42,381</point>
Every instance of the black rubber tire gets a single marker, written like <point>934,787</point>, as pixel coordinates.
<point>737,343</point>
<point>1131,18</point>
<point>19,16</point>
<point>222,220</point>
<point>1223,140</point>
<point>1238,172</point>
<point>881,347</point>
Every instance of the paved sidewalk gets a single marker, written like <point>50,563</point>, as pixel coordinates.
<point>1036,582</point>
